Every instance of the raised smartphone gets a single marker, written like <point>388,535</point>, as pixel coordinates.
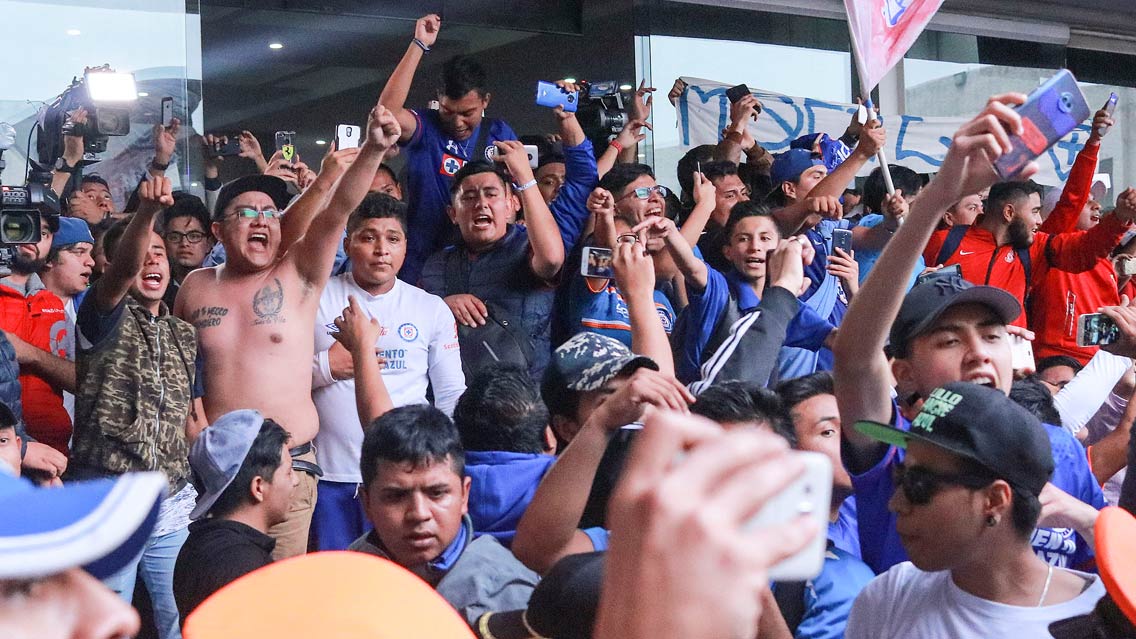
<point>842,239</point>
<point>1096,329</point>
<point>596,263</point>
<point>810,495</point>
<point>1110,108</point>
<point>737,92</point>
<point>1050,113</point>
<point>551,96</point>
<point>284,144</point>
<point>230,147</point>
<point>346,137</point>
<point>167,111</point>
<point>1021,354</point>
<point>530,149</point>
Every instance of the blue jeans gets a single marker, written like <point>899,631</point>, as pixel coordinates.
<point>156,563</point>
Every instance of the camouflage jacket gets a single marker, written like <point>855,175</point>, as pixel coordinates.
<point>135,392</point>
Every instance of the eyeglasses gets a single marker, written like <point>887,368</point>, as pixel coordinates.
<point>645,192</point>
<point>193,237</point>
<point>252,214</point>
<point>920,484</point>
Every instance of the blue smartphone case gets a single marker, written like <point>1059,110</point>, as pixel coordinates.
<point>549,95</point>
<point>1050,113</point>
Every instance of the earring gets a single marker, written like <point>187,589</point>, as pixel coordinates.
<point>991,521</point>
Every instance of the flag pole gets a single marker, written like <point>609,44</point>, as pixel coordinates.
<point>866,95</point>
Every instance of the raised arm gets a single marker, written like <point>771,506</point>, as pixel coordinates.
<point>580,177</point>
<point>635,279</point>
<point>863,389</point>
<point>692,268</point>
<point>394,93</point>
<point>1075,194</point>
<point>628,138</point>
<point>304,209</point>
<point>153,194</point>
<point>72,154</point>
<point>704,201</point>
<point>359,332</point>
<point>165,143</point>
<point>544,234</point>
<point>1080,251</point>
<point>315,252</point>
<point>736,138</point>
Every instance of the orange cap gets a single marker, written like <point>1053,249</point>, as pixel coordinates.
<point>327,594</point>
<point>1115,533</point>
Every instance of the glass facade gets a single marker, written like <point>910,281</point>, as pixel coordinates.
<point>48,43</point>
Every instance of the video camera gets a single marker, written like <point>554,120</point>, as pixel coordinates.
<point>601,112</point>
<point>108,98</point>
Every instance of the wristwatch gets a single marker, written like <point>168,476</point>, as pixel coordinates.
<point>62,166</point>
<point>158,167</point>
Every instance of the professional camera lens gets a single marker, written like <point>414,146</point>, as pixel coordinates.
<point>19,227</point>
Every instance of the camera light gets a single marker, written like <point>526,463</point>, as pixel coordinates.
<point>625,87</point>
<point>143,94</point>
<point>275,46</point>
<point>106,86</point>
<point>321,142</point>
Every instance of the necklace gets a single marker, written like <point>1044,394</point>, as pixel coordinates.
<point>1045,590</point>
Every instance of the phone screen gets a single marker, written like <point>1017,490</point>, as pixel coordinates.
<point>1096,329</point>
<point>596,263</point>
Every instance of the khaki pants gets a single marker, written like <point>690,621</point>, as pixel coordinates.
<point>291,535</point>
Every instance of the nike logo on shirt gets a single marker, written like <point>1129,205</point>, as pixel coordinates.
<point>966,252</point>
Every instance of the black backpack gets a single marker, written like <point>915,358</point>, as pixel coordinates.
<point>501,339</point>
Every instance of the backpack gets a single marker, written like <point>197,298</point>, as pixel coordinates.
<point>501,339</point>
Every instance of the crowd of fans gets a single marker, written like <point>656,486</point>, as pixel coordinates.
<point>413,365</point>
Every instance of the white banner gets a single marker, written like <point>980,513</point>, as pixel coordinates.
<point>917,142</point>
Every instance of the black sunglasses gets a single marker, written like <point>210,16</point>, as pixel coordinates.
<point>919,484</point>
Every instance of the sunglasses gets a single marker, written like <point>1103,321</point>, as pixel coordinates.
<point>645,192</point>
<point>920,485</point>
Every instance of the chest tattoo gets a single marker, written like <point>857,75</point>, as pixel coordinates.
<point>268,302</point>
<point>208,316</point>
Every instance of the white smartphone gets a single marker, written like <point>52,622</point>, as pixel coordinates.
<point>531,149</point>
<point>167,111</point>
<point>1096,329</point>
<point>810,494</point>
<point>595,262</point>
<point>346,137</point>
<point>1021,354</point>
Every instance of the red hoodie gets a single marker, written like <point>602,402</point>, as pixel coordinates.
<point>984,262</point>
<point>1060,298</point>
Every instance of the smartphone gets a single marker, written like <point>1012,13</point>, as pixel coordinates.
<point>1110,108</point>
<point>1096,329</point>
<point>947,271</point>
<point>167,111</point>
<point>231,147</point>
<point>737,92</point>
<point>809,495</point>
<point>842,239</point>
<point>1021,354</point>
<point>551,96</point>
<point>1050,113</point>
<point>596,263</point>
<point>346,137</point>
<point>492,151</point>
<point>862,115</point>
<point>284,144</point>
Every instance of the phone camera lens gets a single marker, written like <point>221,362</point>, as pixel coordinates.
<point>571,99</point>
<point>1065,104</point>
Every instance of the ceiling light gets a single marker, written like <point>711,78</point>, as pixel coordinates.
<point>321,142</point>
<point>193,183</point>
<point>143,94</point>
<point>275,45</point>
<point>570,80</point>
<point>73,32</point>
<point>626,87</point>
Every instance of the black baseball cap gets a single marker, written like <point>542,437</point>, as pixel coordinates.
<point>981,424</point>
<point>562,606</point>
<point>270,185</point>
<point>927,301</point>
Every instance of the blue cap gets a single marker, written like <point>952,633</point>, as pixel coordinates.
<point>788,166</point>
<point>72,230</point>
<point>101,525</point>
<point>588,360</point>
<point>217,455</point>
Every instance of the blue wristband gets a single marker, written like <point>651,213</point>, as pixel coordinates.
<point>527,185</point>
<point>421,45</point>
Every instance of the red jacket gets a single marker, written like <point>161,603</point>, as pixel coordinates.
<point>38,319</point>
<point>1060,298</point>
<point>984,262</point>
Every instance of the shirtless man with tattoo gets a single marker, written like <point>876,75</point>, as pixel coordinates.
<point>255,314</point>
